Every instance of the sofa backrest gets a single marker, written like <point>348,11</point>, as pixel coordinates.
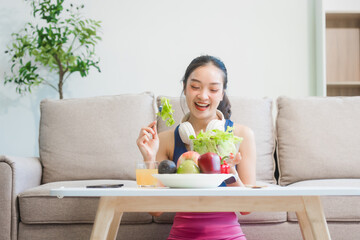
<point>93,138</point>
<point>318,138</point>
<point>255,113</point>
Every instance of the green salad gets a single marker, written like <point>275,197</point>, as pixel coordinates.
<point>166,112</point>
<point>216,141</point>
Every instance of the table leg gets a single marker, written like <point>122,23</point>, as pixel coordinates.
<point>114,227</point>
<point>312,219</point>
<point>305,227</point>
<point>107,220</point>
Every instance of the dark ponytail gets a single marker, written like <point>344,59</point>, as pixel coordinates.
<point>224,106</point>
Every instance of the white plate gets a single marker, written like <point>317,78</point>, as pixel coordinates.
<point>200,180</point>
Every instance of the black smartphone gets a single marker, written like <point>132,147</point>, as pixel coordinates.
<point>106,186</point>
<point>230,180</point>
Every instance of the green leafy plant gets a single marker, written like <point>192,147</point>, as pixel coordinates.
<point>63,41</point>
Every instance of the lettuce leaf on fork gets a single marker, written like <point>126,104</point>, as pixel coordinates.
<point>220,142</point>
<point>166,112</point>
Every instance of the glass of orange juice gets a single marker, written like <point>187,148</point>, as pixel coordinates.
<point>144,173</point>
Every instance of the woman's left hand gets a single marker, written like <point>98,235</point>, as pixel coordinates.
<point>235,160</point>
<point>232,162</point>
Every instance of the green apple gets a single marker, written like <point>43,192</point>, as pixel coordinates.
<point>188,166</point>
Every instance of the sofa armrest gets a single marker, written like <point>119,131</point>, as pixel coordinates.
<point>16,175</point>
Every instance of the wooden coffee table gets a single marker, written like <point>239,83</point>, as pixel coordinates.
<point>304,201</point>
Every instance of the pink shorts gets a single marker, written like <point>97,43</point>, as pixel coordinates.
<point>209,226</point>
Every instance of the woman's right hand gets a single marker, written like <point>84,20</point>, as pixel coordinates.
<point>148,142</point>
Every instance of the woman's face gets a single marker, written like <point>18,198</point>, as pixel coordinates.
<point>204,91</point>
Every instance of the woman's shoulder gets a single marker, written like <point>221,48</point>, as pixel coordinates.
<point>167,134</point>
<point>167,139</point>
<point>242,130</point>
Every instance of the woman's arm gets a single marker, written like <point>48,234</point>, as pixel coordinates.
<point>166,144</point>
<point>245,159</point>
<point>247,165</point>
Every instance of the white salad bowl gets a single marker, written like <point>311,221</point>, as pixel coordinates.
<point>200,180</point>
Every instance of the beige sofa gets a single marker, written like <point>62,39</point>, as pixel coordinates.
<point>92,140</point>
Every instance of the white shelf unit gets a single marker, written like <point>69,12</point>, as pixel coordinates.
<point>339,48</point>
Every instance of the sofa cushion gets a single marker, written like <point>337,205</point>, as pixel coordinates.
<point>336,208</point>
<point>93,138</point>
<point>318,138</point>
<point>255,113</point>
<point>37,206</point>
<point>80,231</point>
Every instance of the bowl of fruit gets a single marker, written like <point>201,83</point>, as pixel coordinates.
<point>193,171</point>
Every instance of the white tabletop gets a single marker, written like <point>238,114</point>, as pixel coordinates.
<point>219,191</point>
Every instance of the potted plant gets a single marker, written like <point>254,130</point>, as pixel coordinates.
<point>61,41</point>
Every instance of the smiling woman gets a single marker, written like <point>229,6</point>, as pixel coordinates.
<point>207,73</point>
<point>204,85</point>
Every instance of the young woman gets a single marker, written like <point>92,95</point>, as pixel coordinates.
<point>204,85</point>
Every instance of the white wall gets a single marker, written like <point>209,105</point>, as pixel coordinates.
<point>268,47</point>
<point>341,6</point>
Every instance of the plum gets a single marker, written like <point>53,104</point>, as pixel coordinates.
<point>167,166</point>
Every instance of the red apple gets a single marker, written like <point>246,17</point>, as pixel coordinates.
<point>189,155</point>
<point>209,163</point>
